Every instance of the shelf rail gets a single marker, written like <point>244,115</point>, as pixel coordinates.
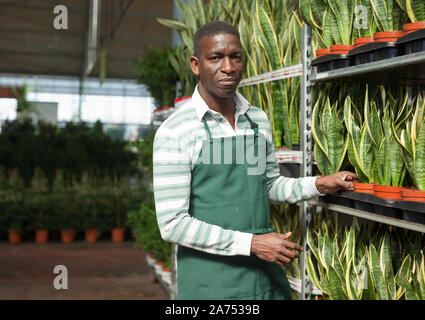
<point>285,73</point>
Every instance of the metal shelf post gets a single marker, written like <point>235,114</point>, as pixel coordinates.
<point>307,148</point>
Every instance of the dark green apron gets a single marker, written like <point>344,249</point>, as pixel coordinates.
<point>227,196</point>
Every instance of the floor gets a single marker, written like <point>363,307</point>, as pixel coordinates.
<point>99,271</point>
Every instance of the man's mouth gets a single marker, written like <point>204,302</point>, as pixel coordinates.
<point>227,82</point>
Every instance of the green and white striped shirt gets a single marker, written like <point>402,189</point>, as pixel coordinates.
<point>178,142</point>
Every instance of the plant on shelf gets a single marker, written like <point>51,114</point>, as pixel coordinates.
<point>365,24</point>
<point>410,135</point>
<point>329,135</point>
<point>415,9</point>
<point>369,262</point>
<point>317,15</point>
<point>389,168</point>
<point>389,20</point>
<point>359,143</point>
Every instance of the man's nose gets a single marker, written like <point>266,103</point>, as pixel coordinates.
<point>227,65</point>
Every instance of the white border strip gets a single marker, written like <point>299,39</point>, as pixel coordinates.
<point>289,72</point>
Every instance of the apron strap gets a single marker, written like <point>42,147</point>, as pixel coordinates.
<point>207,128</point>
<point>252,123</point>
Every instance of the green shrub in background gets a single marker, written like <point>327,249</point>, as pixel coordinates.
<point>62,178</point>
<point>144,226</point>
<point>154,70</point>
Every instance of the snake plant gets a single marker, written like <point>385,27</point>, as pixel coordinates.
<point>359,143</point>
<point>329,134</point>
<point>389,167</point>
<point>415,9</point>
<point>388,15</point>
<point>411,137</point>
<point>367,262</point>
<point>318,16</point>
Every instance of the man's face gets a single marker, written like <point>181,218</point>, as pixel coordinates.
<point>219,65</point>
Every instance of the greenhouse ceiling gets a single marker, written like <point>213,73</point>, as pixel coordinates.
<point>30,44</point>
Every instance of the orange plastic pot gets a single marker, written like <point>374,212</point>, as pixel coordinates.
<point>413,195</point>
<point>387,192</point>
<point>387,36</point>
<point>41,235</point>
<point>91,235</point>
<point>322,52</point>
<point>341,48</point>
<point>414,26</point>
<point>67,235</point>
<point>14,236</point>
<point>117,234</point>
<point>364,187</point>
<point>151,255</point>
<point>362,41</point>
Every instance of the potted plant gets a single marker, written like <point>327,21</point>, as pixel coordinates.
<point>410,135</point>
<point>365,26</point>
<point>318,16</point>
<point>42,215</point>
<point>415,10</point>
<point>68,211</point>
<point>15,219</point>
<point>120,163</point>
<point>331,143</point>
<point>389,20</point>
<point>359,146</point>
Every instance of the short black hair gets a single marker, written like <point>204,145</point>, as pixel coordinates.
<point>211,29</point>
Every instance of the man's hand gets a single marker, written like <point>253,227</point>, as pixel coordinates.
<point>274,248</point>
<point>338,181</point>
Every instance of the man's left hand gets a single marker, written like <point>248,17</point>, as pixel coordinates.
<point>335,182</point>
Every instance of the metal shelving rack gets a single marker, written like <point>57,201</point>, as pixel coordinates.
<point>408,70</point>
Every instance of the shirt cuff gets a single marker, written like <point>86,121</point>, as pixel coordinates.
<point>310,189</point>
<point>242,244</point>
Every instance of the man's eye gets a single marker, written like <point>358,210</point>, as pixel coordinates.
<point>214,58</point>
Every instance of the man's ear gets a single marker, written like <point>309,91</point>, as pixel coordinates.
<point>194,64</point>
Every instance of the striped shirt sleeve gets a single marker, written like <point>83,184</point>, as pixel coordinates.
<point>286,189</point>
<point>172,177</point>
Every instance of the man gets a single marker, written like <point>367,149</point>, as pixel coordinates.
<point>218,211</point>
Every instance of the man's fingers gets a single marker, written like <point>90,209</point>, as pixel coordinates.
<point>289,254</point>
<point>285,260</point>
<point>293,246</point>
<point>286,235</point>
<point>344,182</point>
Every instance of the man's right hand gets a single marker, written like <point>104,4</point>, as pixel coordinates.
<point>274,248</point>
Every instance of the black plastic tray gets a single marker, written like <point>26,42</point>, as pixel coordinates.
<point>363,54</point>
<point>407,210</point>
<point>412,42</point>
<point>375,51</point>
<point>331,62</point>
